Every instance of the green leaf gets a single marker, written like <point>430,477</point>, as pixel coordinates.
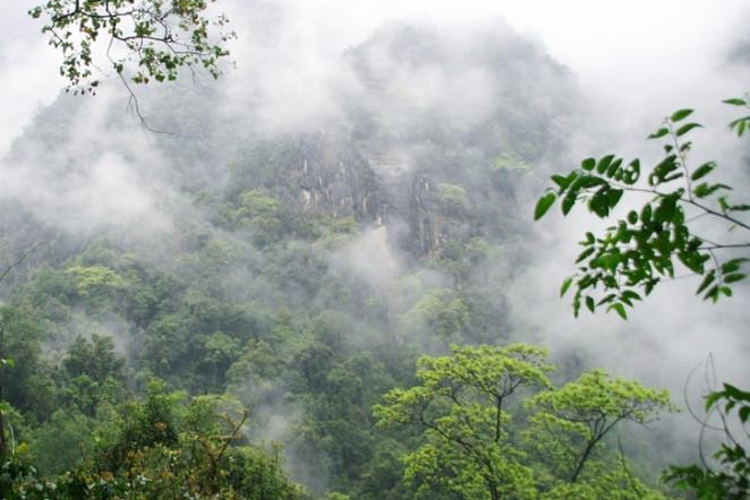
<point>590,304</point>
<point>687,128</point>
<point>742,125</point>
<point>586,253</point>
<point>712,399</point>
<point>659,133</point>
<point>632,172</point>
<point>733,265</point>
<point>619,309</point>
<point>613,197</point>
<point>604,163</point>
<point>646,213</point>
<point>599,204</point>
<point>723,203</point>
<point>735,392</point>
<point>565,285</point>
<point>631,295</point>
<point>605,300</point>
<point>666,209</point>
<point>543,205</point>
<point>735,101</point>
<point>588,164</point>
<point>733,278</point>
<point>703,190</point>
<point>562,181</point>
<point>679,115</point>
<point>703,171</point>
<point>567,204</point>
<point>706,281</point>
<point>712,293</point>
<point>614,169</point>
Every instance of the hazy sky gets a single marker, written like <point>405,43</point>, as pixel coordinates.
<point>631,52</point>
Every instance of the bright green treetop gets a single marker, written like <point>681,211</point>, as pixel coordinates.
<point>468,407</point>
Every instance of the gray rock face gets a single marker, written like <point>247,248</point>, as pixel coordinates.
<point>393,175</point>
<point>336,179</point>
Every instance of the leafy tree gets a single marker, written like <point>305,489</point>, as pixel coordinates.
<point>468,407</point>
<point>643,248</point>
<point>453,199</point>
<point>460,405</point>
<point>64,442</point>
<point>24,375</point>
<point>93,375</point>
<point>443,313</point>
<point>221,351</point>
<point>163,449</point>
<point>96,286</point>
<point>7,361</point>
<point>575,418</point>
<point>95,358</point>
<point>266,215</point>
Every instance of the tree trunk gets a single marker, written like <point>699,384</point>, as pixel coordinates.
<point>3,445</point>
<point>582,461</point>
<point>493,490</point>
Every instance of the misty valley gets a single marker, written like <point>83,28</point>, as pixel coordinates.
<point>233,289</point>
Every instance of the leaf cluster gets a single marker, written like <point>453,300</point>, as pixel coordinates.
<point>616,269</point>
<point>145,40</point>
<point>732,480</point>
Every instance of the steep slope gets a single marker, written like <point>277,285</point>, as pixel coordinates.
<point>301,271</point>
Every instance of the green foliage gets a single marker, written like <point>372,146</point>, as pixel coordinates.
<point>263,213</point>
<point>467,406</point>
<point>96,286</point>
<point>152,39</point>
<point>163,449</point>
<point>459,404</point>
<point>62,443</point>
<point>616,484</point>
<point>25,376</point>
<point>584,411</point>
<point>95,358</point>
<point>96,279</point>
<point>252,292</point>
<point>742,124</point>
<point>453,199</point>
<point>510,162</point>
<point>442,313</point>
<point>641,249</point>
<point>617,269</point>
<point>732,480</point>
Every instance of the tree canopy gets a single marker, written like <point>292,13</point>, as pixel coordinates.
<point>495,427</point>
<point>141,41</point>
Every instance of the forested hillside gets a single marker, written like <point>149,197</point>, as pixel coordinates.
<point>222,305</point>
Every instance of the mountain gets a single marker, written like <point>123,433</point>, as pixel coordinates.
<point>301,271</point>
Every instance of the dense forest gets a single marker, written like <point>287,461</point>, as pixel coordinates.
<point>223,306</point>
